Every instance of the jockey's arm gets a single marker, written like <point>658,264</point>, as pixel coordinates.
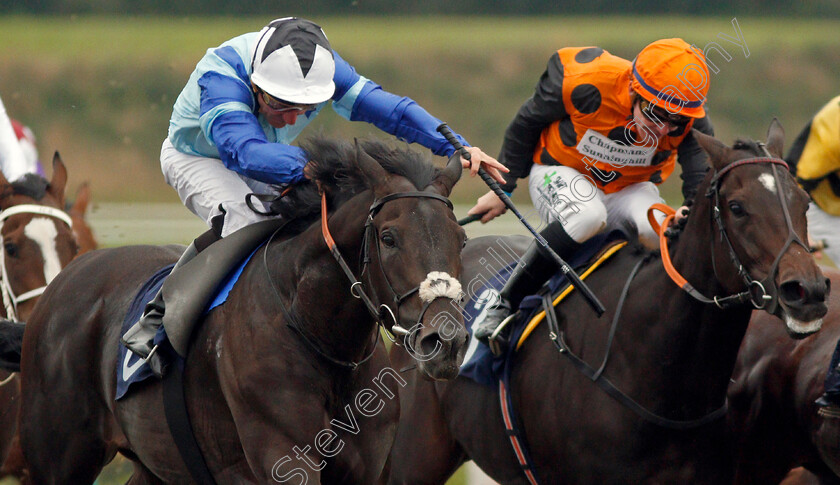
<point>523,134</point>
<point>227,118</point>
<point>693,160</point>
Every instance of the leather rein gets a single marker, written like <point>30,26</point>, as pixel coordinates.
<point>759,301</point>
<point>756,291</point>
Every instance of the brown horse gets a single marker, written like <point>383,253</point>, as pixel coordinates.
<point>290,362</point>
<point>776,381</point>
<point>78,213</point>
<point>669,352</point>
<point>37,243</point>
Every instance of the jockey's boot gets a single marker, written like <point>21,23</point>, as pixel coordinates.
<point>534,269</point>
<point>140,338</point>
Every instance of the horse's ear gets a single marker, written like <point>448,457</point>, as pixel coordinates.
<point>80,205</point>
<point>775,138</point>
<point>371,170</point>
<point>718,152</point>
<point>59,179</point>
<point>448,177</point>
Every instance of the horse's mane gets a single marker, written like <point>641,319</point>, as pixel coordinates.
<point>335,170</point>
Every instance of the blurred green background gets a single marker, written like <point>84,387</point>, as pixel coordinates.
<point>100,88</point>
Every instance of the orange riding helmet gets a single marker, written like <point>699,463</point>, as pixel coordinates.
<point>672,75</point>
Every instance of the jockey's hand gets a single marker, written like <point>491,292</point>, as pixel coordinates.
<point>816,247</point>
<point>490,205</point>
<point>479,159</point>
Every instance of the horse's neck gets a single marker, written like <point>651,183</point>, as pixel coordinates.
<point>318,289</point>
<point>699,338</point>
<point>700,257</point>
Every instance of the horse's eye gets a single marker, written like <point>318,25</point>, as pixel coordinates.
<point>388,240</point>
<point>11,249</point>
<point>737,209</point>
<point>465,242</point>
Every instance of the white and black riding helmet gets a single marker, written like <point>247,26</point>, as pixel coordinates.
<point>293,62</point>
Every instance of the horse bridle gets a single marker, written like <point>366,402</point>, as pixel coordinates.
<point>371,235</point>
<point>10,300</point>
<point>760,301</point>
<point>756,292</point>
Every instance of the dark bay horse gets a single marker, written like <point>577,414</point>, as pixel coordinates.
<point>669,352</point>
<point>315,403</point>
<point>773,416</point>
<point>37,243</point>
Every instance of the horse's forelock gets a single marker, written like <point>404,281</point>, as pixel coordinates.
<point>30,185</point>
<point>747,146</point>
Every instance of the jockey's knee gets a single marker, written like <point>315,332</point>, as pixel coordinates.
<point>582,220</point>
<point>647,236</point>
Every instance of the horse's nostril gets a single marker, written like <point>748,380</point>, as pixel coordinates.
<point>430,346</point>
<point>792,292</point>
<point>827,287</point>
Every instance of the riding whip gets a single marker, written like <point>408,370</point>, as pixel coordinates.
<point>567,270</point>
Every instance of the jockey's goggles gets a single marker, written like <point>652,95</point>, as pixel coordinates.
<point>657,114</point>
<point>279,106</point>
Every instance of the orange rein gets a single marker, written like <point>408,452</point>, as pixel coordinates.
<point>324,227</point>
<point>670,213</point>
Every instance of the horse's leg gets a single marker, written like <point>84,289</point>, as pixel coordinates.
<point>9,404</point>
<point>424,451</point>
<point>15,465</point>
<point>72,451</point>
<point>819,475</point>
<point>142,476</point>
<point>66,442</point>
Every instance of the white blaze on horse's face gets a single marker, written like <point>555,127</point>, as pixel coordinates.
<point>768,181</point>
<point>42,230</point>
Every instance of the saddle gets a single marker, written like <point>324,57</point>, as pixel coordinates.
<point>188,292</point>
<point>480,365</point>
<point>196,288</point>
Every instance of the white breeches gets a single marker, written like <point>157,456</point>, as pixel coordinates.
<point>564,194</point>
<point>203,183</point>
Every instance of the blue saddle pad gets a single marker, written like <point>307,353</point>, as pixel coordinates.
<point>480,364</point>
<point>132,369</point>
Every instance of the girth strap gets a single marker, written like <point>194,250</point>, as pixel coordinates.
<point>178,420</point>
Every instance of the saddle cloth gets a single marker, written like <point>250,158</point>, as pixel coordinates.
<point>132,369</point>
<point>480,364</point>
